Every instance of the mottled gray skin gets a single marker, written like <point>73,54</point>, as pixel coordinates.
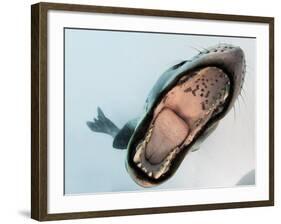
<point>227,57</point>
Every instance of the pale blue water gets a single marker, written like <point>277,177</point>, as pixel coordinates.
<point>115,71</point>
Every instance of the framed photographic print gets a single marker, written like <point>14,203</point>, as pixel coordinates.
<point>140,111</point>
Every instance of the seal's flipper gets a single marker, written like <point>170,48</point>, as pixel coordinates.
<point>122,139</point>
<point>103,125</point>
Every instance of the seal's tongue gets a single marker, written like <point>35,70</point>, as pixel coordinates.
<point>169,132</point>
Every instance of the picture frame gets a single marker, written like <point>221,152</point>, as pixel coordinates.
<point>44,163</point>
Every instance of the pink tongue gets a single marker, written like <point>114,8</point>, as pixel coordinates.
<point>169,131</point>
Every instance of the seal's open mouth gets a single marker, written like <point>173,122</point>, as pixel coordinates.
<point>179,117</point>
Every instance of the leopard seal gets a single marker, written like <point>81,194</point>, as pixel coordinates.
<point>182,109</point>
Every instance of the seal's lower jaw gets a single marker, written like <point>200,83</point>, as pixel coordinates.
<point>181,115</point>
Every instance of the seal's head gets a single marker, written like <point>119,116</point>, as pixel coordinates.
<point>184,107</point>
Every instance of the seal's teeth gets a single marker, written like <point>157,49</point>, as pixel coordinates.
<point>148,135</point>
<point>164,167</point>
<point>142,145</point>
<point>174,153</point>
<point>139,165</point>
<point>144,169</point>
<point>137,156</point>
<point>150,174</point>
<point>157,175</point>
